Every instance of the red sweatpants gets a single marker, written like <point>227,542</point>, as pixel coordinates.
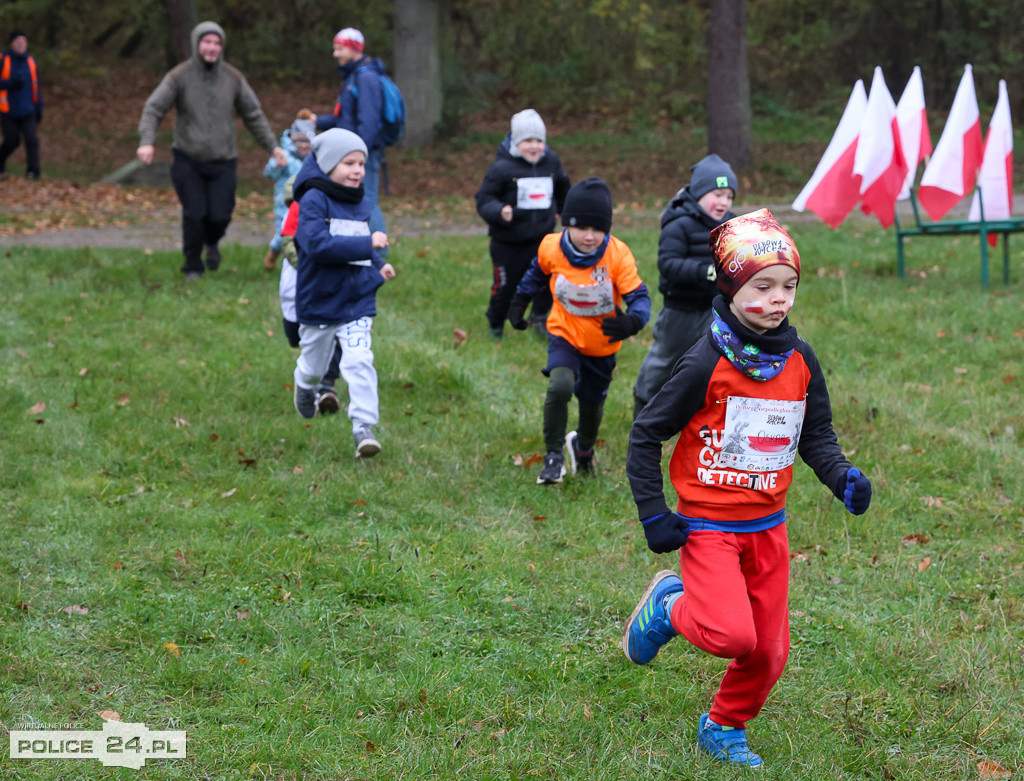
<point>736,606</point>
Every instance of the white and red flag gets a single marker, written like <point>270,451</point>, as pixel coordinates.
<point>833,190</point>
<point>954,165</point>
<point>995,182</point>
<point>878,161</point>
<point>913,123</point>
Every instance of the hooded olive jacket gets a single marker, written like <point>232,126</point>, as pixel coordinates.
<point>206,99</point>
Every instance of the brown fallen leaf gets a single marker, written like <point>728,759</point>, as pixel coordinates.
<point>924,564</point>
<point>75,610</point>
<point>988,768</point>
<point>460,336</point>
<point>109,715</point>
<point>914,539</point>
<point>172,649</point>
<point>37,409</point>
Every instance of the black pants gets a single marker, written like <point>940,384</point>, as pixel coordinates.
<point>511,262</point>
<point>14,130</point>
<point>207,195</point>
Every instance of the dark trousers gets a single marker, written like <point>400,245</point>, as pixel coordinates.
<point>571,373</point>
<point>511,262</point>
<point>207,195</point>
<point>14,130</point>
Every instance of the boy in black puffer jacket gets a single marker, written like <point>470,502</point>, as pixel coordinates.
<point>687,269</point>
<point>522,193</point>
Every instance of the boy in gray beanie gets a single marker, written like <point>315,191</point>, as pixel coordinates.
<point>339,271</point>
<point>687,271</point>
<point>521,195</point>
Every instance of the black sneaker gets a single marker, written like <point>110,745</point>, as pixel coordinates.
<point>327,400</point>
<point>212,257</point>
<point>579,460</point>
<point>554,469</point>
<point>305,401</point>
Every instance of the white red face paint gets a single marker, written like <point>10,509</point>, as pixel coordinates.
<point>754,307</point>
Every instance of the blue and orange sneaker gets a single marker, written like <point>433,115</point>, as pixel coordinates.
<point>648,628</point>
<point>727,744</point>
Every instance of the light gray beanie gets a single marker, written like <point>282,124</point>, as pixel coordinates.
<point>332,146</point>
<point>526,124</point>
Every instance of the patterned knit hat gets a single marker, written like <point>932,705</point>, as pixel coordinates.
<point>350,38</point>
<point>746,244</point>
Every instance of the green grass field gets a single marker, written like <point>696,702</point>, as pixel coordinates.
<point>432,613</point>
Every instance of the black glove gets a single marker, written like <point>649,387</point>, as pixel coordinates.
<point>517,312</point>
<point>857,495</point>
<point>16,83</point>
<point>666,532</point>
<point>621,326</point>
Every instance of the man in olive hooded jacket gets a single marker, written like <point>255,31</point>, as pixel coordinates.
<point>206,93</point>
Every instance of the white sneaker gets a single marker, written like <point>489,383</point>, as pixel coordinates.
<point>366,444</point>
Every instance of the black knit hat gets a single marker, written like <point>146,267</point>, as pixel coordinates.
<point>16,34</point>
<point>588,204</point>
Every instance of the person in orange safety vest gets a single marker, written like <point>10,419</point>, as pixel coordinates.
<point>21,107</point>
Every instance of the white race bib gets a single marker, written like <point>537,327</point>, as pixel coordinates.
<point>534,192</point>
<point>761,435</point>
<point>340,227</point>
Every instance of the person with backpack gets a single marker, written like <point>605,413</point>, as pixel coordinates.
<point>361,108</point>
<point>21,107</point>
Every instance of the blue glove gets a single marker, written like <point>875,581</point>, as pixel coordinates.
<point>857,494</point>
<point>517,312</point>
<point>666,532</point>
<point>621,326</point>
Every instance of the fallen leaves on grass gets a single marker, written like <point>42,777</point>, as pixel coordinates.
<point>172,649</point>
<point>109,715</point>
<point>460,336</point>
<point>38,408</point>
<point>75,610</point>
<point>914,539</point>
<point>533,458</point>
<point>924,564</point>
<point>988,768</point>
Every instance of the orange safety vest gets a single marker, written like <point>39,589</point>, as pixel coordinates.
<point>5,73</point>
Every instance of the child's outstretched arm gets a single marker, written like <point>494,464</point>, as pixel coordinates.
<point>533,281</point>
<point>622,326</point>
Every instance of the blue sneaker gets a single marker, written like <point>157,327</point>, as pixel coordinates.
<point>727,744</point>
<point>648,628</point>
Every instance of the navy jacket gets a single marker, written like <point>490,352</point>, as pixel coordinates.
<point>360,103</point>
<point>500,187</point>
<point>338,270</point>
<point>684,253</point>
<point>20,99</point>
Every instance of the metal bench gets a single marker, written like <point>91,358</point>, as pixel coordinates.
<point>983,229</point>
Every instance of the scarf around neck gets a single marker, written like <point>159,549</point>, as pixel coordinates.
<point>577,258</point>
<point>757,363</point>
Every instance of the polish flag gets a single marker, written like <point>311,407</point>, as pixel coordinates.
<point>879,157</point>
<point>914,134</point>
<point>995,182</point>
<point>834,190</point>
<point>954,165</point>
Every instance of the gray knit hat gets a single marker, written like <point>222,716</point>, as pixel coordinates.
<point>526,124</point>
<point>331,147</point>
<point>303,128</point>
<point>711,173</point>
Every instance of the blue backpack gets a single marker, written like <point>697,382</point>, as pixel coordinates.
<point>392,120</point>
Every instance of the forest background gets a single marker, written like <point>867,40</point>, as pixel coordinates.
<point>623,84</point>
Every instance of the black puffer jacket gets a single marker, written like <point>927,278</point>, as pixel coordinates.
<point>500,188</point>
<point>684,253</point>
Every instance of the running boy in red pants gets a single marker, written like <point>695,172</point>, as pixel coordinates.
<point>744,401</point>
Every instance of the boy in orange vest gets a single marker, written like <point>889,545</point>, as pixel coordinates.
<point>591,274</point>
<point>21,107</point>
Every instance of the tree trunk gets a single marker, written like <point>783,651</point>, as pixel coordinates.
<point>728,103</point>
<point>418,67</point>
<point>181,16</point>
